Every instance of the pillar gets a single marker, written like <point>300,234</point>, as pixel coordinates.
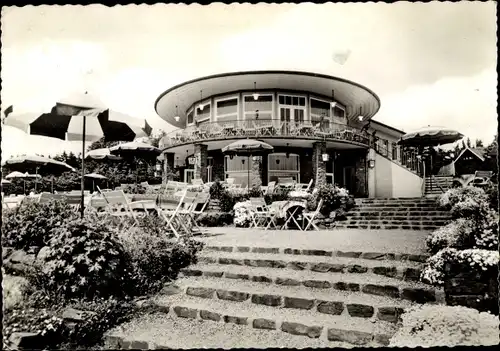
<point>200,165</point>
<point>319,166</point>
<point>168,167</point>
<point>371,174</point>
<point>256,172</point>
<point>361,174</point>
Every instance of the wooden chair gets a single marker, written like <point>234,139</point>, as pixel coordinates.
<point>262,214</point>
<point>177,216</point>
<point>269,189</point>
<point>481,178</point>
<point>197,182</point>
<point>304,186</point>
<point>311,216</point>
<point>200,203</point>
<point>119,206</point>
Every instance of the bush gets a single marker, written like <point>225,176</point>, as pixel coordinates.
<point>227,199</point>
<point>14,290</point>
<point>215,219</point>
<point>492,194</point>
<point>84,259</point>
<point>487,235</point>
<point>334,198</point>
<point>31,223</point>
<point>470,208</point>
<point>436,325</point>
<point>479,260</point>
<point>279,194</point>
<point>243,212</point>
<point>134,189</point>
<point>457,234</point>
<point>455,195</point>
<point>155,259</point>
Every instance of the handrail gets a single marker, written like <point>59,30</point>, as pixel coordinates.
<point>263,128</point>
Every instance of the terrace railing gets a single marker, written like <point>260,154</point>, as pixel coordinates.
<point>407,157</point>
<point>259,128</point>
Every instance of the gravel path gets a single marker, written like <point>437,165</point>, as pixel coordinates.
<point>397,241</point>
<point>279,314</point>
<point>359,278</point>
<point>293,291</point>
<point>181,333</point>
<point>312,259</point>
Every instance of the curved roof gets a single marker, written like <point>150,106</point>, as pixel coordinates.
<point>352,95</point>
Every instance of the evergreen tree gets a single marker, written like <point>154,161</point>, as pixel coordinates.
<point>468,142</point>
<point>479,143</point>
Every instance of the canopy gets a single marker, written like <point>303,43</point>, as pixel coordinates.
<point>247,147</point>
<point>31,162</point>
<point>102,154</point>
<point>430,136</point>
<point>95,176</point>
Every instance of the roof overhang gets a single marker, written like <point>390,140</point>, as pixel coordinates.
<point>354,96</point>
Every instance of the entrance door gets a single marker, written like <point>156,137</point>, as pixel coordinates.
<point>188,175</point>
<point>350,179</point>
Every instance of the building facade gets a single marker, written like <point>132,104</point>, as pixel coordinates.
<point>320,127</point>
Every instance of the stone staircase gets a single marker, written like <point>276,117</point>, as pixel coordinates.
<point>282,297</point>
<point>436,185</point>
<point>403,213</point>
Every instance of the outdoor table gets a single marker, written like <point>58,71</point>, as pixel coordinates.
<point>289,209</point>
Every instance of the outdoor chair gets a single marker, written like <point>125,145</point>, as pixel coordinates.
<point>197,182</point>
<point>286,182</point>
<point>200,203</point>
<point>311,216</point>
<point>304,186</point>
<point>269,189</point>
<point>118,206</point>
<point>261,214</point>
<point>176,216</point>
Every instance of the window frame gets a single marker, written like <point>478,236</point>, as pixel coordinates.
<point>225,98</point>
<point>269,170</point>
<point>208,103</point>
<point>187,117</point>
<point>246,113</point>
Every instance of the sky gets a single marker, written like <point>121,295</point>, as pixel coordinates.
<point>430,63</point>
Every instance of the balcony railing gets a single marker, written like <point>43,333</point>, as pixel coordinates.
<point>261,128</point>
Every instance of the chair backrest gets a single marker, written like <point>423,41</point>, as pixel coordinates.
<point>115,197</point>
<point>259,204</point>
<point>188,200</point>
<point>230,181</point>
<point>318,208</point>
<point>270,187</point>
<point>201,202</point>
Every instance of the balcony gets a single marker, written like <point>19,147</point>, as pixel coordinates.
<point>264,128</point>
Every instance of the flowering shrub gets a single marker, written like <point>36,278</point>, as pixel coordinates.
<point>437,325</point>
<point>333,197</point>
<point>492,193</point>
<point>243,212</point>
<point>478,259</point>
<point>299,194</point>
<point>455,195</point>
<point>473,208</point>
<point>84,259</point>
<point>487,236</point>
<point>457,234</point>
<point>279,194</point>
<point>227,198</point>
<point>154,259</point>
<point>215,219</point>
<point>43,321</point>
<point>31,223</point>
<point>14,290</point>
<point>134,189</point>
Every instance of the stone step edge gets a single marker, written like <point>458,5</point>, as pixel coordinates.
<point>422,258</point>
<point>417,295</point>
<point>406,273</point>
<point>353,337</point>
<point>391,314</point>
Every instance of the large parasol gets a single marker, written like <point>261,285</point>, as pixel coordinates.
<point>247,147</point>
<point>95,176</point>
<point>430,136</point>
<point>102,154</point>
<point>81,117</point>
<point>23,176</point>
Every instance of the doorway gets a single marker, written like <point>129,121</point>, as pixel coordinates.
<point>188,175</point>
<point>350,179</point>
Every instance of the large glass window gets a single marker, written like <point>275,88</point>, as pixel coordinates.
<point>261,109</point>
<point>226,109</point>
<point>292,100</point>
<point>281,166</point>
<point>202,115</point>
<point>190,117</point>
<point>338,112</point>
<point>319,108</point>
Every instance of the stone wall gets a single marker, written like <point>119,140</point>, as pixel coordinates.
<point>319,166</point>
<point>200,167</point>
<point>256,171</point>
<point>471,288</point>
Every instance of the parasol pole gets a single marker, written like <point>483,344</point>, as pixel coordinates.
<point>82,201</point>
<point>248,173</point>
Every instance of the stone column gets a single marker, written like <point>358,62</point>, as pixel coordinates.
<point>361,174</point>
<point>200,166</point>
<point>319,166</point>
<point>168,167</point>
<point>256,171</point>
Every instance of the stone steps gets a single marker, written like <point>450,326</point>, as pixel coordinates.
<point>367,283</point>
<point>384,220</point>
<point>374,215</point>
<point>342,225</point>
<point>397,269</point>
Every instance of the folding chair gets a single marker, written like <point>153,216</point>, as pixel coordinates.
<point>481,178</point>
<point>197,182</point>
<point>304,186</point>
<point>176,215</point>
<point>262,215</point>
<point>118,206</point>
<point>311,216</point>
<point>269,189</point>
<point>200,203</point>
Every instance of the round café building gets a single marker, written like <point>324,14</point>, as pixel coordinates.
<point>320,127</point>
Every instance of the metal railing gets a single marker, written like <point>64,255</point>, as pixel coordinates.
<point>406,157</point>
<point>261,128</point>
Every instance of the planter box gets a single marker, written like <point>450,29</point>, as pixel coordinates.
<point>471,288</point>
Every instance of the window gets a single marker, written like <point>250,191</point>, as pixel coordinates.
<point>226,109</point>
<point>292,100</point>
<point>320,110</point>
<point>262,108</point>
<point>394,152</point>
<point>280,166</point>
<point>338,112</point>
<point>190,117</point>
<point>203,115</point>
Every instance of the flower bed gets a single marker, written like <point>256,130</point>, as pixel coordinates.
<point>435,325</point>
<point>465,256</point>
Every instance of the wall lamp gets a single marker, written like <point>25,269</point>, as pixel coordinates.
<point>371,163</point>
<point>177,118</point>
<point>255,94</point>
<point>201,106</point>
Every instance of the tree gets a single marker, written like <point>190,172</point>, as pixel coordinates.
<point>468,142</point>
<point>479,143</point>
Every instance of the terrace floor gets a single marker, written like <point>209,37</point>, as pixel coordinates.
<point>398,241</point>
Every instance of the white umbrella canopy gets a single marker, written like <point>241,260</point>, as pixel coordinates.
<point>95,176</point>
<point>136,149</point>
<point>430,136</point>
<point>81,117</point>
<point>102,154</point>
<point>247,147</point>
<point>16,174</point>
<point>5,181</point>
<point>29,162</point>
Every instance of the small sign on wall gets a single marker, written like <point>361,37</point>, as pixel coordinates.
<point>195,160</point>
